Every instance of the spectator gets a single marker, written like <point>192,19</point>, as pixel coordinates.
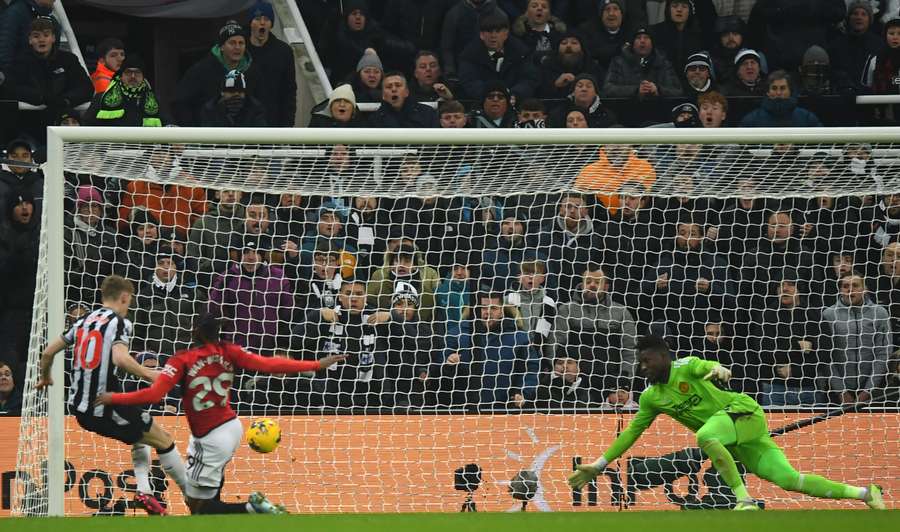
<point>789,339</point>
<point>504,368</point>
<point>453,301</point>
<point>164,307</point>
<point>398,110</point>
<point>176,206</point>
<point>788,27</point>
<point>887,286</point>
<point>452,114</point>
<point>535,304</point>
<point>203,80</point>
<point>368,226</point>
<point>274,60</point>
<point>570,242</point>
<point>339,110</point>
<point>358,32</point>
<point>538,29</point>
<point>233,107</point>
<point>211,234</point>
<point>111,52</point>
<point>563,387</point>
<point>641,71</point>
<point>319,289</point>
<point>730,32</point>
<point>852,48</point>
<point>140,248</point>
<point>604,37</point>
<point>417,21</point>
<point>880,74</point>
<point>19,239</point>
<point>90,249</point>
<point>357,381</point>
<point>679,35</point>
<point>532,114</point>
<point>43,74</point>
<point>494,56</point>
<point>330,227</point>
<point>405,264</point>
<point>560,67</point>
<point>747,80</point>
<point>602,333</point>
<point>128,100</point>
<point>819,78</point>
<point>699,77</point>
<point>779,108</point>
<point>413,347</point>
<point>496,109</point>
<point>616,165</point>
<point>10,394</point>
<point>171,403</point>
<point>585,97</point>
<point>369,76</point>
<point>860,334</point>
<point>687,284</point>
<point>253,298</point>
<point>429,85</point>
<point>15,26</point>
<point>634,12</point>
<point>504,253</point>
<point>22,177</point>
<point>713,109</point>
<point>461,27</point>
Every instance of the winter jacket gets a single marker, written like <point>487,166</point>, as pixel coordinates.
<point>412,114</point>
<point>209,240</point>
<point>569,253</point>
<point>684,268</point>
<point>552,68</point>
<point>164,316</point>
<point>626,73</point>
<point>277,93</point>
<point>123,107</point>
<point>57,81</point>
<point>255,307</point>
<point>418,21</point>
<point>18,262</point>
<point>426,279</point>
<point>882,71</point>
<point>15,24</point>
<point>539,43</point>
<point>351,334</point>
<point>606,179</point>
<point>101,77</point>
<point>10,183</point>
<point>603,336</point>
<point>860,341</point>
<point>175,206</point>
<point>350,45</point>
<point>601,45</point>
<point>459,30</point>
<point>500,262</point>
<point>203,82</point>
<point>768,263</point>
<point>677,45</point>
<point>598,115</point>
<point>779,336</point>
<point>252,114</point>
<point>503,364</point>
<point>90,253</point>
<point>851,52</point>
<point>554,392</point>
<point>780,112</point>
<point>517,71</point>
<point>411,348</point>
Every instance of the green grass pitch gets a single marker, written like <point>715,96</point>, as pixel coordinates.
<point>770,521</point>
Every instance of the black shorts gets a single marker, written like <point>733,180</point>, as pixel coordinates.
<point>126,423</point>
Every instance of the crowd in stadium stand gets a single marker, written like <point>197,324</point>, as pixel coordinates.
<point>488,302</point>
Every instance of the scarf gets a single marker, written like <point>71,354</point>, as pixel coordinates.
<point>887,69</point>
<point>112,104</point>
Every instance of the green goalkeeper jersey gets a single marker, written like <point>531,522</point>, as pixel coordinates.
<point>686,398</point>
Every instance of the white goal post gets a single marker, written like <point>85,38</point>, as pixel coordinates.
<point>43,433</point>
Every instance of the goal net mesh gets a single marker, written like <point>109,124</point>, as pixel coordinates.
<point>489,298</point>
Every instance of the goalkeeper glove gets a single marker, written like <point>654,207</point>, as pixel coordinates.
<point>586,473</point>
<point>719,373</point>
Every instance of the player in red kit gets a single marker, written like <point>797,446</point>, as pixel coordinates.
<point>205,374</point>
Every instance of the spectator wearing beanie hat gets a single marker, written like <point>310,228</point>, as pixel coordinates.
<point>699,75</point>
<point>21,178</point>
<point>19,238</point>
<point>128,101</point>
<point>369,76</point>
<point>604,36</point>
<point>851,50</point>
<point>274,60</point>
<point>496,108</point>
<point>880,74</point>
<point>91,247</point>
<point>203,80</point>
<point>585,96</point>
<point>495,56</point>
<point>641,71</point>
<point>339,110</point>
<point>233,107</point>
<point>730,33</point>
<point>569,59</point>
<point>748,80</point>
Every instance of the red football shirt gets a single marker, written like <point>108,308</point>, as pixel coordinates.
<point>205,374</point>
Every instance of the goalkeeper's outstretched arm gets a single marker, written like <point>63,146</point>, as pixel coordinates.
<point>645,416</point>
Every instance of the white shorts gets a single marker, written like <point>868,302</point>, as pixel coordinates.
<point>208,456</point>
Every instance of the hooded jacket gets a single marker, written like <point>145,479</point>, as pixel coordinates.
<point>860,342</point>
<point>381,286</point>
<point>780,112</point>
<point>278,94</point>
<point>203,82</point>
<point>627,70</point>
<point>677,45</point>
<point>18,261</point>
<point>32,181</point>
<point>476,70</point>
<point>503,364</point>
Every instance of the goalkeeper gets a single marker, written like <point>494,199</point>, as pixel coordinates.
<point>729,426</point>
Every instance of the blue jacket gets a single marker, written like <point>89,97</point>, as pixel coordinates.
<point>780,113</point>
<point>505,364</point>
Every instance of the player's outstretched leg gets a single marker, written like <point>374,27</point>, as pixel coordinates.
<point>140,458</point>
<point>261,505</point>
<point>774,467</point>
<point>169,458</point>
<point>713,436</point>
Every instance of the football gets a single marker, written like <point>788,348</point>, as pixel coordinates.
<point>263,435</point>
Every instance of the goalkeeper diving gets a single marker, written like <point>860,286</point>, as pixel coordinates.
<point>728,425</point>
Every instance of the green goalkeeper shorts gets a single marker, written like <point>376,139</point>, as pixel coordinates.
<point>753,440</point>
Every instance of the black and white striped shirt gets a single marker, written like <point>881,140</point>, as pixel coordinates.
<point>93,371</point>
